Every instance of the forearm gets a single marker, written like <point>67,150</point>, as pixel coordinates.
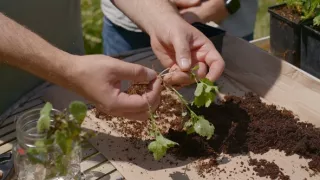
<point>24,49</point>
<point>148,14</point>
<point>211,10</point>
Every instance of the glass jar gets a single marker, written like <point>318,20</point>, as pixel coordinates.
<point>26,131</point>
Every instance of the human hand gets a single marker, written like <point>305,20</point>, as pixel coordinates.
<point>180,46</point>
<point>98,78</point>
<point>206,11</point>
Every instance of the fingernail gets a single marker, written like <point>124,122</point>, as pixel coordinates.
<point>151,75</point>
<point>185,64</point>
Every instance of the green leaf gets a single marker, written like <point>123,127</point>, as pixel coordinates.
<point>207,81</point>
<point>209,89</point>
<point>160,146</point>
<point>199,89</point>
<point>188,124</point>
<point>61,165</point>
<point>190,130</point>
<point>64,142</point>
<point>166,142</point>
<point>209,99</point>
<point>40,143</point>
<point>74,128</point>
<point>44,120</point>
<point>195,68</point>
<point>78,110</point>
<point>316,21</point>
<point>204,128</point>
<point>199,100</point>
<point>35,156</point>
<point>157,149</point>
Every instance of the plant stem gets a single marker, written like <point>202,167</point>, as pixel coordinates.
<point>160,74</point>
<point>183,100</point>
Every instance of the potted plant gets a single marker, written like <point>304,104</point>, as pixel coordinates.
<point>285,28</point>
<point>49,143</point>
<point>310,43</point>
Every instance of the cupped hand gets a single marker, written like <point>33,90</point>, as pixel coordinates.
<point>180,46</point>
<point>98,78</point>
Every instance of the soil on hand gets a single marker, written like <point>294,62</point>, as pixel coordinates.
<point>289,13</point>
<point>242,124</point>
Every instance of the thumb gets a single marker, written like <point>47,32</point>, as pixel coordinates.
<point>183,53</point>
<point>186,3</point>
<point>133,72</point>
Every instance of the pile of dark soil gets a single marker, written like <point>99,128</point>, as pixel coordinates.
<point>242,124</point>
<point>289,13</point>
<point>267,169</point>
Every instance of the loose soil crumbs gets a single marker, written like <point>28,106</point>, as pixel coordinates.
<point>267,169</point>
<point>288,13</point>
<point>242,124</point>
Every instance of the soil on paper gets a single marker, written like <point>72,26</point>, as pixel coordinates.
<point>242,124</point>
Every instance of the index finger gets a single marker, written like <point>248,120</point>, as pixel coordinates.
<point>207,53</point>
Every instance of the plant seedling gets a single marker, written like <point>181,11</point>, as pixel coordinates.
<point>205,95</point>
<point>61,132</point>
<point>306,8</point>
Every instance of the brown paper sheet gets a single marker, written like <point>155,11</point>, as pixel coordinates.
<point>247,69</point>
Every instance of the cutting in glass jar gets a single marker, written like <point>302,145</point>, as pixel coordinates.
<point>47,163</point>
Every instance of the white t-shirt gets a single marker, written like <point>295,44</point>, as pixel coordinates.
<point>239,24</point>
<point>57,21</point>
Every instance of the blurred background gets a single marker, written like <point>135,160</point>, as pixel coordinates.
<point>92,23</point>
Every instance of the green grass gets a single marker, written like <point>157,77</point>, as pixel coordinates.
<point>92,19</point>
<point>262,26</point>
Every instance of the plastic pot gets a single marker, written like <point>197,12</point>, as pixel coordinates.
<point>284,37</point>
<point>214,34</point>
<point>310,50</point>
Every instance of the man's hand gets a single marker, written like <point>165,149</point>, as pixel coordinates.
<point>176,43</point>
<point>206,11</point>
<point>98,78</point>
<point>180,46</point>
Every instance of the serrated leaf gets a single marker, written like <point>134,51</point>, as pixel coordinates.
<point>199,101</point>
<point>209,99</point>
<point>198,90</point>
<point>165,142</point>
<point>208,102</point>
<point>209,89</point>
<point>316,21</point>
<point>157,149</point>
<point>204,128</point>
<point>78,110</point>
<point>63,141</point>
<point>160,146</point>
<point>43,123</point>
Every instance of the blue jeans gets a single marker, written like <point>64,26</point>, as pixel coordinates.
<point>117,40</point>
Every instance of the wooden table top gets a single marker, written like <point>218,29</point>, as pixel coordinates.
<point>94,165</point>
